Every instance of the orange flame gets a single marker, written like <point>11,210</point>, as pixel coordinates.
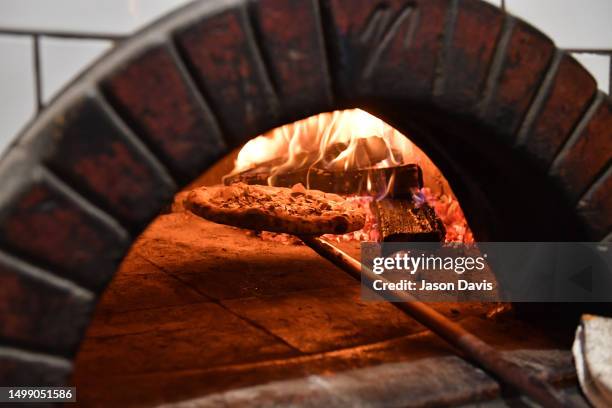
<point>339,141</point>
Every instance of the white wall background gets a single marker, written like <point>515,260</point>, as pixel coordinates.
<point>46,43</point>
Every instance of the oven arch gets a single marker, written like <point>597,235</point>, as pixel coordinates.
<point>516,125</point>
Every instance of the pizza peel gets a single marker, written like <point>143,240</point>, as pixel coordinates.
<point>468,344</point>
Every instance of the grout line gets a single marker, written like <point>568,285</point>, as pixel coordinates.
<point>329,54</point>
<point>441,69</point>
<point>497,65</point>
<point>540,99</point>
<point>305,356</point>
<point>27,355</point>
<point>323,48</point>
<point>136,140</point>
<point>604,51</point>
<point>196,86</point>
<point>65,34</point>
<point>37,73</point>
<point>206,298</point>
<point>262,64</point>
<point>83,203</point>
<point>255,32</point>
<point>380,45</point>
<point>600,179</point>
<point>220,303</point>
<point>575,135</point>
<point>27,269</point>
<point>202,100</point>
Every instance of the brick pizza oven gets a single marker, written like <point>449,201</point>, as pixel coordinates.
<point>516,125</point>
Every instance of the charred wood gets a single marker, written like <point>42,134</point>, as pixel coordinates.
<point>404,221</point>
<point>396,181</point>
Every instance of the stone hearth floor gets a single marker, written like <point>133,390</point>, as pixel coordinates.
<point>198,307</point>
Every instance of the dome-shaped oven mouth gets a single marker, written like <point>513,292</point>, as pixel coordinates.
<point>515,125</point>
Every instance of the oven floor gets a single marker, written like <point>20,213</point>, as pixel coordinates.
<point>198,308</point>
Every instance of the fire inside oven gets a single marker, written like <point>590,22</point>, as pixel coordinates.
<point>277,308</point>
<point>355,154</point>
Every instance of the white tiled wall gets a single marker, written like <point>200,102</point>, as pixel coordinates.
<point>571,23</point>
<point>88,16</point>
<point>582,26</point>
<point>61,59</point>
<point>93,26</point>
<point>17,98</point>
<point>577,25</point>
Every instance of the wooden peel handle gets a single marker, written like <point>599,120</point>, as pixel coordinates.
<point>473,347</point>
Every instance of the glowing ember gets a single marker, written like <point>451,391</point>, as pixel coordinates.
<point>369,232</point>
<point>448,209</point>
<point>445,206</point>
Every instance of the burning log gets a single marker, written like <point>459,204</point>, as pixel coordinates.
<point>399,180</point>
<point>404,221</point>
<point>353,168</point>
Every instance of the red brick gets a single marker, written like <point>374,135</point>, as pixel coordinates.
<point>45,223</point>
<point>151,92</point>
<point>571,91</point>
<point>39,313</point>
<point>525,63</point>
<point>579,165</point>
<point>295,54</point>
<point>387,50</point>
<point>19,369</point>
<point>213,335</point>
<point>467,63</point>
<point>94,153</point>
<point>227,65</point>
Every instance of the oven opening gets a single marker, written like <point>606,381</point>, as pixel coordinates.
<point>209,309</point>
<point>360,157</point>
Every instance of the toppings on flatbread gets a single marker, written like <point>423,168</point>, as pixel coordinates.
<point>295,210</point>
